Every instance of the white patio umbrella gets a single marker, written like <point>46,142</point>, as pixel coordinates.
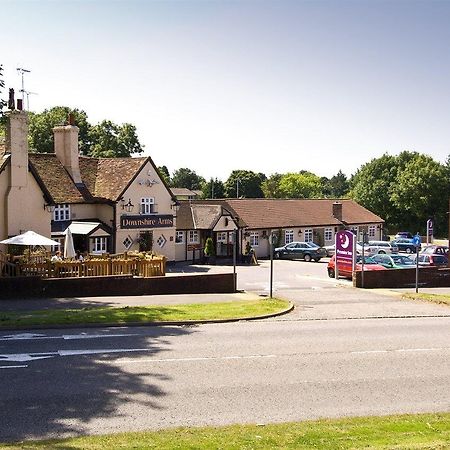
<point>29,238</point>
<point>69,249</point>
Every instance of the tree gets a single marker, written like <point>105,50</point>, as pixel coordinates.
<point>248,184</point>
<point>338,185</point>
<point>40,135</point>
<point>164,173</point>
<point>214,188</point>
<point>187,178</point>
<point>301,185</point>
<point>405,190</point>
<point>271,186</point>
<point>110,140</point>
<point>105,139</point>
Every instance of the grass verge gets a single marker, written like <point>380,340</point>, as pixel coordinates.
<point>442,299</point>
<point>154,313</point>
<point>423,431</point>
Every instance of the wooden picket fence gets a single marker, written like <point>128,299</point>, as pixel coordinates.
<point>142,267</point>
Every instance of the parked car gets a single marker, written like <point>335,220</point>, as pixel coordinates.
<point>345,270</point>
<point>431,260</point>
<point>403,234</point>
<point>405,245</point>
<point>435,250</point>
<point>331,249</point>
<point>300,250</point>
<point>381,247</point>
<point>394,261</point>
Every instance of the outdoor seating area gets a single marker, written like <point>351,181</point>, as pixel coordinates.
<point>40,264</point>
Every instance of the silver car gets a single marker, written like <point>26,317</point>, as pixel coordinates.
<point>381,247</point>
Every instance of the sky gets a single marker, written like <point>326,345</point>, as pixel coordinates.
<point>272,86</point>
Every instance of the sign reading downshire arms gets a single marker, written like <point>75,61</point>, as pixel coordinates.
<point>129,222</point>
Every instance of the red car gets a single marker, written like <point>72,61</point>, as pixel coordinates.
<point>345,270</point>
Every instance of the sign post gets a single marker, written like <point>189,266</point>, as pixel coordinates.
<point>345,244</point>
<point>234,258</point>
<point>416,242</point>
<point>429,231</point>
<point>272,239</point>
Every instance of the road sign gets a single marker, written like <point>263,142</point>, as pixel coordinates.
<point>416,240</point>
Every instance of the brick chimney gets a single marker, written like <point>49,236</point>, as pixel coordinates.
<point>337,211</point>
<point>66,149</point>
<point>17,146</point>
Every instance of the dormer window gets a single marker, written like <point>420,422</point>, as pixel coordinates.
<point>147,205</point>
<point>62,212</point>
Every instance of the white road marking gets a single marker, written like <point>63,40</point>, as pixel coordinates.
<point>30,336</point>
<point>13,367</point>
<point>400,350</point>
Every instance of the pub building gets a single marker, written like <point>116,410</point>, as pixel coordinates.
<point>114,205</point>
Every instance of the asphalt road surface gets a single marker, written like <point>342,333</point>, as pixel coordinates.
<point>76,382</point>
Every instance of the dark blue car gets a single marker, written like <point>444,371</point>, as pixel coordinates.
<point>405,245</point>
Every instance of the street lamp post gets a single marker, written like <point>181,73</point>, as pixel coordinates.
<point>237,187</point>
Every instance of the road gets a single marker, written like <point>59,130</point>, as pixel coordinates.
<point>76,382</point>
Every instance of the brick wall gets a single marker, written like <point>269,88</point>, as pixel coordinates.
<point>403,278</point>
<point>26,287</point>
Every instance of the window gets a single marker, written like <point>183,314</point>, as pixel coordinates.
<point>99,245</point>
<point>62,212</point>
<point>148,205</point>
<point>55,248</point>
<point>372,231</point>
<point>288,236</point>
<point>328,234</point>
<point>308,235</point>
<point>254,238</point>
<point>179,237</point>
<point>222,237</point>
<point>193,237</point>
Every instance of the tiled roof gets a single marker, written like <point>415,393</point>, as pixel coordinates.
<point>273,213</point>
<point>103,178</point>
<point>54,178</point>
<point>182,192</point>
<point>197,217</point>
<point>108,177</point>
<point>282,213</point>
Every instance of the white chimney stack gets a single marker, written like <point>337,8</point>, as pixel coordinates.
<point>66,149</point>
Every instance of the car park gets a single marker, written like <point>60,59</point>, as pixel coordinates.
<point>331,249</point>
<point>431,260</point>
<point>394,261</point>
<point>375,247</point>
<point>405,245</point>
<point>345,269</point>
<point>300,250</point>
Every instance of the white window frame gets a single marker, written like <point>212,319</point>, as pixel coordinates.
<point>61,212</point>
<point>328,235</point>
<point>193,237</point>
<point>99,244</point>
<point>372,231</point>
<point>309,235</point>
<point>179,237</point>
<point>254,238</point>
<point>55,248</point>
<point>222,237</point>
<point>147,206</point>
<point>288,236</point>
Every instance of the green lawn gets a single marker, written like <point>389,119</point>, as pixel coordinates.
<point>154,313</point>
<point>424,431</point>
<point>442,299</point>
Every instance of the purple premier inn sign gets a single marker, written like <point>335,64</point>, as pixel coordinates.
<point>345,250</point>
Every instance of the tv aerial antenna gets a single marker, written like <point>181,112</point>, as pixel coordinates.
<point>28,93</point>
<point>23,71</point>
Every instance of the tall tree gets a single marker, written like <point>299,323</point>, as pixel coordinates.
<point>244,183</point>
<point>301,185</point>
<point>109,140</point>
<point>164,172</point>
<point>187,178</point>
<point>214,188</point>
<point>105,139</point>
<point>271,186</point>
<point>338,185</point>
<point>405,190</point>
